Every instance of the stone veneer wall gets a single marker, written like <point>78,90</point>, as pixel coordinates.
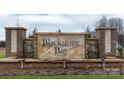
<point>101,41</point>
<point>8,43</point>
<point>45,65</point>
<point>20,36</point>
<point>37,68</point>
<point>28,48</point>
<point>92,49</point>
<point>86,43</point>
<point>113,42</point>
<point>35,45</point>
<point>72,51</point>
<point>86,46</point>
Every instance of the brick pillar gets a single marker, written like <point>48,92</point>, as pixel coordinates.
<point>14,41</point>
<point>107,41</point>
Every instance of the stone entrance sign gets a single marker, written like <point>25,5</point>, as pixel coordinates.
<point>60,46</point>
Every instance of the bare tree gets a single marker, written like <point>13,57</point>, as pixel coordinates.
<point>116,22</point>
<point>103,22</point>
<point>88,29</point>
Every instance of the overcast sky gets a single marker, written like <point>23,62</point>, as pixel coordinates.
<point>51,22</point>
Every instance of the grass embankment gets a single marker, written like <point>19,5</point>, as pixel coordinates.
<point>64,77</point>
<point>2,54</point>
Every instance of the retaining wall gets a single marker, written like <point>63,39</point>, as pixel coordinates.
<point>54,68</point>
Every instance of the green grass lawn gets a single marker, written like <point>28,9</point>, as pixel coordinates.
<point>2,54</point>
<point>64,77</point>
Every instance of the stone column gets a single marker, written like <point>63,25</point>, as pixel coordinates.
<point>14,41</point>
<point>107,38</point>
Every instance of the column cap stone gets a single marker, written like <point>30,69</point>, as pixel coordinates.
<point>105,28</point>
<point>16,28</point>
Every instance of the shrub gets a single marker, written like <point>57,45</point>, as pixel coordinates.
<point>121,54</point>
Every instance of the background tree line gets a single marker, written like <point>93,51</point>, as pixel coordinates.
<point>2,43</point>
<point>111,22</point>
<point>103,22</point>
